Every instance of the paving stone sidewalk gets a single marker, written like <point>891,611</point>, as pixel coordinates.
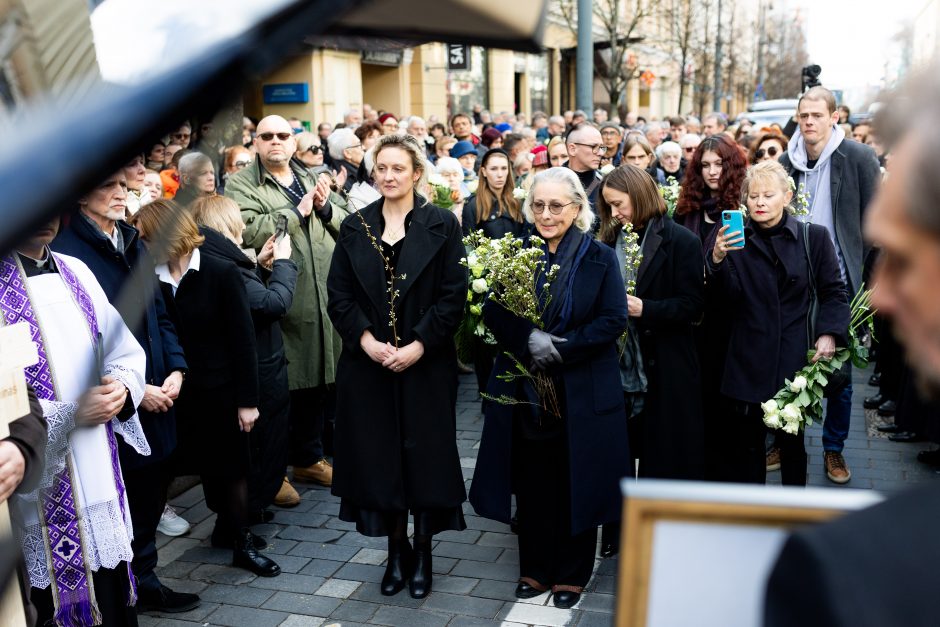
<point>331,573</point>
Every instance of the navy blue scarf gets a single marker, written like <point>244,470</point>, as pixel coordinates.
<point>568,256</point>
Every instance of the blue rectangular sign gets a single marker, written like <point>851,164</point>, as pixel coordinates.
<point>283,93</point>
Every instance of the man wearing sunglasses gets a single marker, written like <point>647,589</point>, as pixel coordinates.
<point>277,185</point>
<point>182,135</point>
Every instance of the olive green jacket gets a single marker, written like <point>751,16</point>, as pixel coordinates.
<point>311,343</point>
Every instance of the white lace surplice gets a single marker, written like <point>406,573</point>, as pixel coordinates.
<point>70,352</point>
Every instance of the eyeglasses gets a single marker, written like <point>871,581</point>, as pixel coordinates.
<point>315,150</point>
<point>597,149</point>
<point>242,164</point>
<point>355,146</point>
<point>772,151</point>
<point>181,135</point>
<point>539,207</point>
<point>266,137</point>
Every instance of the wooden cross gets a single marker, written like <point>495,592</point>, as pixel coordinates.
<point>17,351</point>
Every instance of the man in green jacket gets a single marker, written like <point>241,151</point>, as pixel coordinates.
<point>274,186</point>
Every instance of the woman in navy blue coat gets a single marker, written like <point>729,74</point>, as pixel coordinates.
<point>765,287</point>
<point>564,471</point>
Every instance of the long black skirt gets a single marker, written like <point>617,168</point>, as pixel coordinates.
<point>376,524</point>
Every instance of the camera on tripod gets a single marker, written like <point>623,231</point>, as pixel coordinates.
<point>810,77</point>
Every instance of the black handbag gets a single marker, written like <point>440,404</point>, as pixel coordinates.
<point>839,379</point>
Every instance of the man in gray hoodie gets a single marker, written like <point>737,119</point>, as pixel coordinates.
<point>841,177</point>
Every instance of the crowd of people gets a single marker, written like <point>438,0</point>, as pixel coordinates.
<point>291,302</point>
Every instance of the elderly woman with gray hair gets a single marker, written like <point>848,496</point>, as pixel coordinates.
<point>563,470</point>
<point>346,153</point>
<point>197,178</point>
<point>670,161</point>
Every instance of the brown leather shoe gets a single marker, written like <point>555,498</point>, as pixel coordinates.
<point>836,469</point>
<point>287,496</point>
<point>773,459</point>
<point>321,473</point>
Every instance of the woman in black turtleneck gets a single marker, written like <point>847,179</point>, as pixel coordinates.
<point>712,184</point>
<point>768,283</point>
<point>665,424</point>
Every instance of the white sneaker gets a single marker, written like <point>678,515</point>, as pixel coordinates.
<point>172,524</point>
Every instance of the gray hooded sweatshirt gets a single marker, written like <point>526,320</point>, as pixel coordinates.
<point>817,184</point>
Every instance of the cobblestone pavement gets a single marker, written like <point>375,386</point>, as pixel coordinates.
<point>331,573</point>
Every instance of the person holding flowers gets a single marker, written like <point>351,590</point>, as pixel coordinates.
<point>564,468</point>
<point>496,212</point>
<point>396,296</point>
<point>665,298</point>
<point>766,285</point>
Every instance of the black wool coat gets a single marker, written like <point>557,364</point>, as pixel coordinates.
<point>768,315</point>
<point>270,295</point>
<point>833,575</point>
<point>595,427</point>
<point>143,309</point>
<point>671,285</point>
<point>215,328</point>
<point>395,438</point>
<point>496,227</point>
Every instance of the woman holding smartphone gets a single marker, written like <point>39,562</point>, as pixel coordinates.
<point>712,184</point>
<point>767,285</point>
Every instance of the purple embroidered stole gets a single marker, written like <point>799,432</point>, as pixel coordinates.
<point>69,573</point>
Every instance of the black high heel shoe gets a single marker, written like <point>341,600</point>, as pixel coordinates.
<point>400,558</point>
<point>420,585</point>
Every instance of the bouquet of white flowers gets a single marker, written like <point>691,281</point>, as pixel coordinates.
<point>508,272</point>
<point>800,199</point>
<point>799,402</point>
<point>670,193</point>
<point>472,324</point>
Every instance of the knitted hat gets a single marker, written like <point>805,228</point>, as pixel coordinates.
<point>386,116</point>
<point>503,127</point>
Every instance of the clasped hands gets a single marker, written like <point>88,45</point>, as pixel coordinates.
<point>396,359</point>
<point>160,399</point>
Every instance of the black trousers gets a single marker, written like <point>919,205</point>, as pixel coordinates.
<point>227,496</point>
<point>548,552</point>
<point>111,588</point>
<point>310,410</point>
<point>742,451</point>
<point>146,494</point>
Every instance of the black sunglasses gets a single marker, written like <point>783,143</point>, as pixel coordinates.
<point>266,137</point>
<point>314,149</point>
<point>772,151</point>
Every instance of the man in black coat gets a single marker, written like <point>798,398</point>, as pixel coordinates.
<point>97,235</point>
<point>841,177</point>
<point>851,572</point>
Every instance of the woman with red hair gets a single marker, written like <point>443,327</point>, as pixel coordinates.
<point>712,184</point>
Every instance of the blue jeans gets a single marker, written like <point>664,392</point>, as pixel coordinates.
<point>836,424</point>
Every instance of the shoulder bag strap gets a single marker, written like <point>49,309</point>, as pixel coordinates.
<point>813,296</point>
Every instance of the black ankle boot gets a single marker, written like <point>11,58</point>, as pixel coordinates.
<point>420,585</point>
<point>400,560</point>
<point>247,556</point>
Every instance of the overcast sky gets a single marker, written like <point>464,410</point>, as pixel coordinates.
<point>849,39</point>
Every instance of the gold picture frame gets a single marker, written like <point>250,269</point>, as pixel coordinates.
<point>762,514</point>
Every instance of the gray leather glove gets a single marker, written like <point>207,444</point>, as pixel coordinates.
<point>542,348</point>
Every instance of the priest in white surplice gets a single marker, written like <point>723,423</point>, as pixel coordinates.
<point>89,379</point>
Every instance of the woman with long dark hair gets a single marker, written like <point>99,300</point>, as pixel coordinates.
<point>712,184</point>
<point>396,381</point>
<point>495,211</point>
<point>666,429</point>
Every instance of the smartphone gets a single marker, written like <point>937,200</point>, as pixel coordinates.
<point>281,229</point>
<point>734,220</point>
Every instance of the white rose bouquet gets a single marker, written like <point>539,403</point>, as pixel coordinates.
<point>504,271</point>
<point>799,402</point>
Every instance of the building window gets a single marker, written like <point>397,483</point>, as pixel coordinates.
<point>538,77</point>
<point>467,88</point>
